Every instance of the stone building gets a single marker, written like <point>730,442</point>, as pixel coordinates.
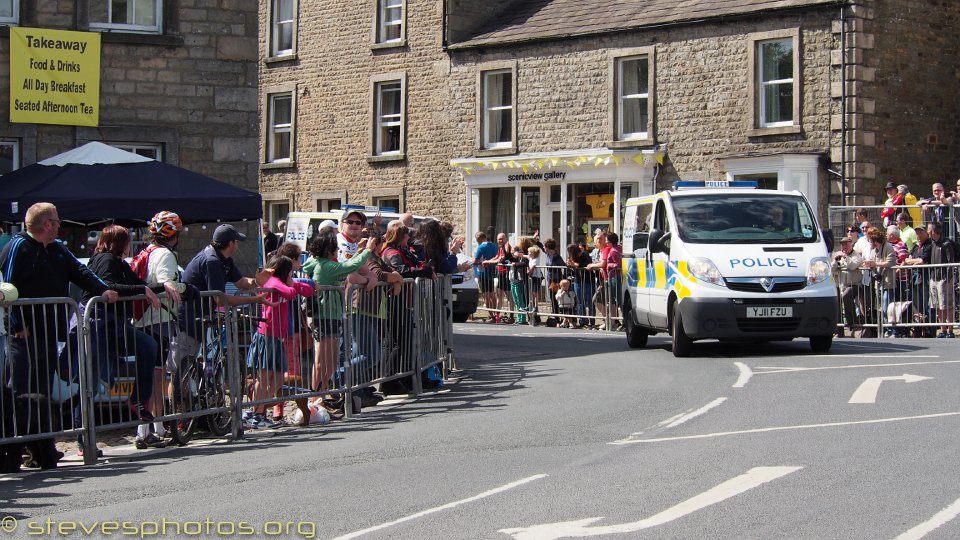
<point>178,82</point>
<point>545,114</point>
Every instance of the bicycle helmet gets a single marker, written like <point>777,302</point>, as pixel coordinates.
<point>165,224</point>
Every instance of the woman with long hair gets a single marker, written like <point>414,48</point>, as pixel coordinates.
<point>113,335</point>
<point>328,315</point>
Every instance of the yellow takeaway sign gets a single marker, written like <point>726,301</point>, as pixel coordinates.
<point>54,77</point>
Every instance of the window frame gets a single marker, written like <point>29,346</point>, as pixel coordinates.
<point>758,125</point>
<point>158,28</point>
<point>270,94</point>
<point>484,146</point>
<point>273,33</point>
<point>377,84</point>
<point>380,24</point>
<point>14,18</point>
<point>134,146</point>
<point>16,160</point>
<point>615,112</point>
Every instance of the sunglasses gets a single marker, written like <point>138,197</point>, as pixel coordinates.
<point>853,230</point>
<point>353,222</point>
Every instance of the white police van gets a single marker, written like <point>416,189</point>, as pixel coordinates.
<point>728,261</point>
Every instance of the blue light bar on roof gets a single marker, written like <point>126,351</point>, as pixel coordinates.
<point>365,209</point>
<point>693,184</point>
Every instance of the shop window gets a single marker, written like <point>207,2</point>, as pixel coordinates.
<point>388,118</point>
<point>494,210</point>
<point>283,28</point>
<point>593,209</point>
<point>9,156</point>
<point>144,16</point>
<point>280,128</point>
<point>775,76</point>
<point>498,116</point>
<point>152,151</point>
<point>9,12</point>
<point>390,18</point>
<point>529,210</point>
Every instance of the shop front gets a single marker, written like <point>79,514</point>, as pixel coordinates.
<point>566,196</point>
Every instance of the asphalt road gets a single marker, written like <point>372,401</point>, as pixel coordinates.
<point>550,433</point>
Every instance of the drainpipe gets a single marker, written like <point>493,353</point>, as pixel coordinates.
<point>843,105</point>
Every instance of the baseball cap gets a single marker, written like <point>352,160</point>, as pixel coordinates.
<point>328,223</point>
<point>846,239</point>
<point>890,185</point>
<point>226,232</point>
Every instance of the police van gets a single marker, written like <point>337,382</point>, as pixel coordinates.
<point>728,261</point>
<point>302,227</point>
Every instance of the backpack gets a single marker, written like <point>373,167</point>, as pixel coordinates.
<point>139,266</point>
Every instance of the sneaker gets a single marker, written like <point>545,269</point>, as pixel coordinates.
<point>941,334</point>
<point>250,420</point>
<point>274,423</point>
<point>950,335</point>
<point>150,441</point>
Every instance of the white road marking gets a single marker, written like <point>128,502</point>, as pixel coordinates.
<point>781,369</point>
<point>447,506</point>
<point>786,428</point>
<point>937,520</point>
<point>580,528</point>
<point>867,392</point>
<point>696,413</point>
<point>745,374</point>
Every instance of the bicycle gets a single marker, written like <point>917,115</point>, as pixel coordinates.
<point>203,380</point>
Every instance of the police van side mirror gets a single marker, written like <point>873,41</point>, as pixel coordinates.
<point>828,239</point>
<point>659,242</point>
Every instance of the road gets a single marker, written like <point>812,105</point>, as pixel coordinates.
<point>550,433</point>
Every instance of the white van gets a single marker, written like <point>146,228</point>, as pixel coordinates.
<point>727,261</point>
<point>303,226</point>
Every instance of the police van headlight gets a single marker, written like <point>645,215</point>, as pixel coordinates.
<point>704,270</point>
<point>818,271</point>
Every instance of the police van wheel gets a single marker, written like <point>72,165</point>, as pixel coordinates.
<point>682,344</point>
<point>636,336</point>
<point>821,344</point>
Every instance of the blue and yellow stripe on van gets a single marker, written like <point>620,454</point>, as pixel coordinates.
<point>660,275</point>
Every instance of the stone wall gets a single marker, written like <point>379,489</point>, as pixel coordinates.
<point>564,91</point>
<point>909,97</point>
<point>193,89</point>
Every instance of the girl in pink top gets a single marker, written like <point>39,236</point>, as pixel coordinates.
<point>266,355</point>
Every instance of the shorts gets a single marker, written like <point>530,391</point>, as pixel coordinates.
<point>182,345</point>
<point>503,281</point>
<point>485,281</point>
<point>266,353</point>
<point>941,294</point>
<point>327,329</point>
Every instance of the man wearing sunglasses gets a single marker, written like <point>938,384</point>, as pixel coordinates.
<point>348,237</point>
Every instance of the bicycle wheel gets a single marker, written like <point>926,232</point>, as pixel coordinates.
<point>186,384</point>
<point>217,392</point>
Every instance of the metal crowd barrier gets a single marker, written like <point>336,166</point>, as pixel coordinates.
<point>47,379</point>
<point>84,372</point>
<point>532,299</point>
<point>902,307</point>
<point>841,217</point>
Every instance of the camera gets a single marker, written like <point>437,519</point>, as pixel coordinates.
<point>838,258</point>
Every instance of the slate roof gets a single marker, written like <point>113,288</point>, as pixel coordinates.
<point>532,20</point>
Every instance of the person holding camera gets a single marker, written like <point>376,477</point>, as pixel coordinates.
<point>846,271</point>
<point>880,259</point>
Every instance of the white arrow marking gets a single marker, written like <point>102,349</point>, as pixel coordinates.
<point>867,392</point>
<point>579,528</point>
<point>928,526</point>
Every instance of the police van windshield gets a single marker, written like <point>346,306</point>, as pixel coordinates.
<point>744,219</point>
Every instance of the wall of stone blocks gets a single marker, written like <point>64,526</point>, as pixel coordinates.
<point>197,95</point>
<point>911,54</point>
<point>563,95</point>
